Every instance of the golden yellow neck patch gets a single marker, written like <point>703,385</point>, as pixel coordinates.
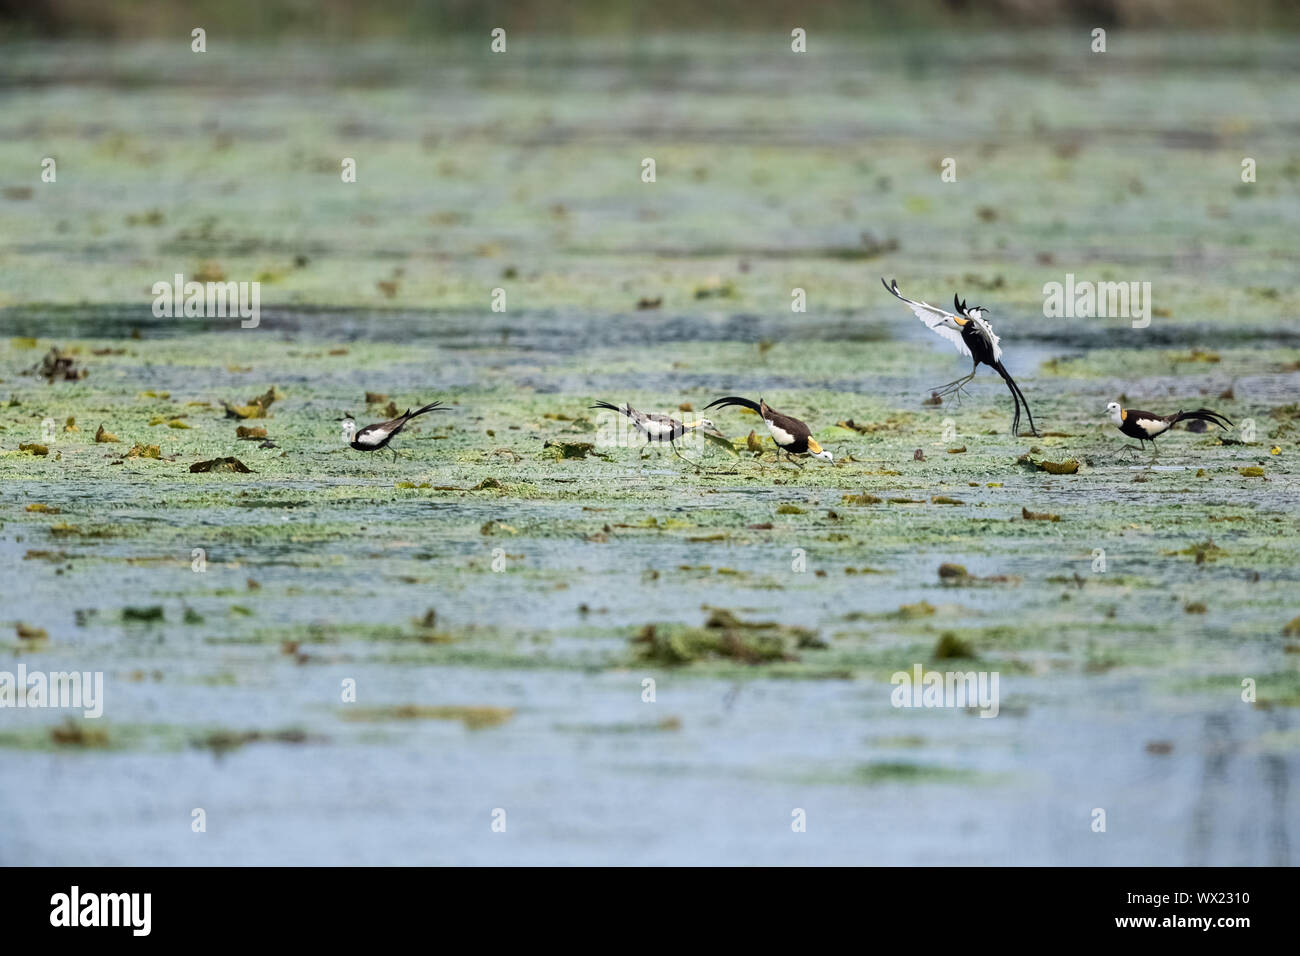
<point>813,447</point>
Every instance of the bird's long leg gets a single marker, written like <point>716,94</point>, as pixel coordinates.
<point>792,460</point>
<point>957,384</point>
<point>394,451</point>
<point>688,461</point>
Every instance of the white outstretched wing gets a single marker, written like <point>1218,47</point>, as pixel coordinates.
<point>989,336</point>
<point>937,320</point>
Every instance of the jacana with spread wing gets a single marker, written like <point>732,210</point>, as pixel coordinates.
<point>973,336</point>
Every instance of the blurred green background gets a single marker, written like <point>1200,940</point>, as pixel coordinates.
<point>349,18</point>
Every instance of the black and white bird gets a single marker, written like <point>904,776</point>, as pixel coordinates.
<point>790,435</point>
<point>971,333</point>
<point>658,428</point>
<point>1147,426</point>
<point>375,437</point>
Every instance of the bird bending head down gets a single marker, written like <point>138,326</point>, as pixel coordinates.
<point>817,451</point>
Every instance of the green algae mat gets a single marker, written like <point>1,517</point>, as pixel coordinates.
<point>527,619</point>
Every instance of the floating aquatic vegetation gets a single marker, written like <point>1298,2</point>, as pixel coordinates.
<point>426,629</point>
<point>34,448</point>
<point>1196,355</point>
<point>723,636</point>
<point>151,613</point>
<point>1068,467</point>
<point>474,718</point>
<point>716,437</point>
<point>951,646</point>
<point>911,611</point>
<point>247,432</point>
<point>144,451</point>
<point>1028,515</point>
<point>1202,552</point>
<point>902,772</point>
<point>79,733</point>
<point>223,741</point>
<point>28,633</point>
<point>715,288</point>
<point>256,407</point>
<point>221,464</point>
<point>37,506</point>
<point>104,435</point>
<point>210,272</point>
<point>570,450</point>
<point>861,499</point>
<point>39,554</point>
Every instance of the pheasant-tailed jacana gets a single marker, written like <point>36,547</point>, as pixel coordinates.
<point>375,437</point>
<point>790,435</point>
<point>656,427</point>
<point>973,336</point>
<point>1147,426</point>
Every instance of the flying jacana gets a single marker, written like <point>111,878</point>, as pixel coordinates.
<point>790,435</point>
<point>375,437</point>
<point>1146,427</point>
<point>656,427</point>
<point>974,337</point>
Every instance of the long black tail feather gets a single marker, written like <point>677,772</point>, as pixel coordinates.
<point>733,400</point>
<point>431,407</point>
<point>1017,395</point>
<point>1202,415</point>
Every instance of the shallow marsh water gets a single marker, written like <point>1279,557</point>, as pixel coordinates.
<point>1120,689</point>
